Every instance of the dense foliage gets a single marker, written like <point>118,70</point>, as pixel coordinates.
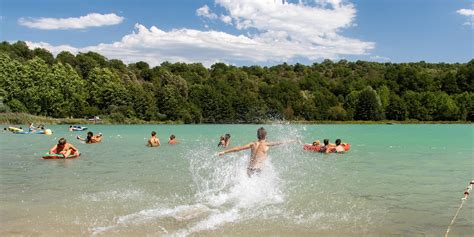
<point>88,84</point>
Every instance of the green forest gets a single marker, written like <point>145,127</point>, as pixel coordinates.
<point>89,84</point>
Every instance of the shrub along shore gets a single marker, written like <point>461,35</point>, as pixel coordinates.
<point>24,118</point>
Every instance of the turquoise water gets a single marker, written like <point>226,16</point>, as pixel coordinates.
<point>397,180</point>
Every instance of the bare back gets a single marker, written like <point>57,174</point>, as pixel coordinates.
<point>58,149</point>
<point>258,156</point>
<point>153,142</point>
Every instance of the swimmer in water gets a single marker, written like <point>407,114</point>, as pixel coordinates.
<point>153,141</point>
<point>173,140</point>
<point>226,140</point>
<point>91,138</point>
<point>259,151</point>
<point>339,147</point>
<point>221,142</point>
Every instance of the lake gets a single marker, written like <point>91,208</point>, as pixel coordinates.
<point>397,180</point>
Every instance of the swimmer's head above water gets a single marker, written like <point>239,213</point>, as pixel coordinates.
<point>261,134</point>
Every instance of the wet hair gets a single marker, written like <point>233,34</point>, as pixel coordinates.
<point>70,126</point>
<point>326,142</point>
<point>172,136</point>
<point>153,133</point>
<point>338,142</point>
<point>5,129</point>
<point>261,133</point>
<point>62,141</point>
<point>227,136</point>
<point>90,134</point>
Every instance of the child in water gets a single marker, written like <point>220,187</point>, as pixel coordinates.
<point>172,140</point>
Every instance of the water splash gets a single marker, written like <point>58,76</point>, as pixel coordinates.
<point>223,194</point>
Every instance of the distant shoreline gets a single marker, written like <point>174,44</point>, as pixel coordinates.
<point>24,118</point>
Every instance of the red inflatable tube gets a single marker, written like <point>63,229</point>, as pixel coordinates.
<point>346,146</point>
<point>310,147</point>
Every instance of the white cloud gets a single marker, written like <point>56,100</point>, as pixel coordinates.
<point>204,11</point>
<point>89,20</point>
<point>53,49</point>
<point>315,29</point>
<point>226,19</point>
<point>468,13</point>
<point>273,31</point>
<point>380,58</point>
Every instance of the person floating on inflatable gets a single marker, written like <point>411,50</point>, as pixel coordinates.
<point>31,128</point>
<point>340,147</point>
<point>259,151</point>
<point>153,141</point>
<point>63,148</point>
<point>315,146</point>
<point>173,140</point>
<point>91,138</point>
<point>326,146</point>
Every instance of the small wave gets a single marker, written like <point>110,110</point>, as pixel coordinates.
<point>179,213</point>
<point>118,195</point>
<point>211,222</point>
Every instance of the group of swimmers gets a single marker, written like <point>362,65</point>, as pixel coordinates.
<point>258,148</point>
<point>155,142</point>
<point>31,128</point>
<point>327,147</point>
<point>64,148</point>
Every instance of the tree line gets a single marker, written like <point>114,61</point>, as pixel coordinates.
<point>89,84</point>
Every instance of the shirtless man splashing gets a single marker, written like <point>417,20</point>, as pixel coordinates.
<point>258,151</point>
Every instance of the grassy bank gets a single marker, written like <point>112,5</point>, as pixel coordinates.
<point>24,118</point>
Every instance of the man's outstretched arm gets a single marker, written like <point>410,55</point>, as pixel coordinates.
<point>235,149</point>
<point>281,143</point>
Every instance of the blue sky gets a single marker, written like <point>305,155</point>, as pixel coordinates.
<point>246,32</point>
